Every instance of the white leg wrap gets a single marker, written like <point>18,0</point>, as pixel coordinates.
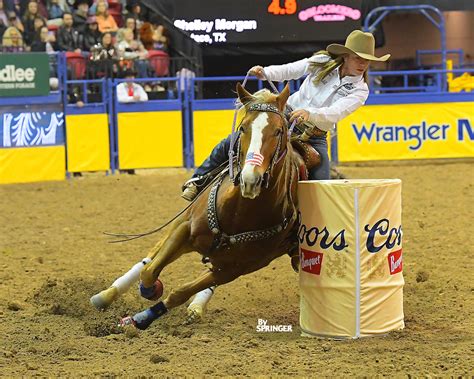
<point>124,283</point>
<point>202,298</point>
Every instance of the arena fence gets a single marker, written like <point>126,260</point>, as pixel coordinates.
<point>80,126</point>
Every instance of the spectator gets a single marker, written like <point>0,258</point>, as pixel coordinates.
<point>129,48</point>
<point>133,53</point>
<point>130,23</point>
<point>107,47</point>
<point>29,21</point>
<point>160,34</point>
<point>12,41</point>
<point>130,92</point>
<point>92,35</point>
<point>80,16</point>
<point>135,11</point>
<point>3,27</point>
<point>13,20</point>
<point>146,35</point>
<point>38,23</point>
<point>21,7</point>
<point>103,60</point>
<point>69,39</point>
<point>44,41</point>
<point>3,17</point>
<point>55,11</point>
<point>105,21</point>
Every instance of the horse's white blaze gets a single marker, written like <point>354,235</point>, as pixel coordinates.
<point>257,139</point>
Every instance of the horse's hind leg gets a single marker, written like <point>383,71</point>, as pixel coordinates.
<point>198,306</point>
<point>179,296</point>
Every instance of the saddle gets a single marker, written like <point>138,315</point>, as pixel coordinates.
<point>307,157</point>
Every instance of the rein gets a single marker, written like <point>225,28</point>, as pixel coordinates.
<point>234,137</point>
<point>242,237</point>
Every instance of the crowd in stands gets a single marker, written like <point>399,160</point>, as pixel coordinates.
<point>110,36</point>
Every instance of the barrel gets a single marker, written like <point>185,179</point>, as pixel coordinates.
<point>350,241</point>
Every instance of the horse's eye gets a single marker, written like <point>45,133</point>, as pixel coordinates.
<point>278,132</point>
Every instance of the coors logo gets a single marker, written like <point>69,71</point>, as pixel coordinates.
<point>395,262</point>
<point>311,261</point>
<point>384,233</point>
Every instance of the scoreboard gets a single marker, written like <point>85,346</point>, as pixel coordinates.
<point>266,21</point>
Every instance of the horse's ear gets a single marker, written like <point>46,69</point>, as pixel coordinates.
<point>282,98</point>
<point>244,95</point>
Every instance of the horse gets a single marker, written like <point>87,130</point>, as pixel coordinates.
<point>237,226</point>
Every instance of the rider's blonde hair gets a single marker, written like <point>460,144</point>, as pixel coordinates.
<point>325,68</point>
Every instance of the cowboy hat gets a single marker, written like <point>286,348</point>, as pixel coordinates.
<point>358,43</point>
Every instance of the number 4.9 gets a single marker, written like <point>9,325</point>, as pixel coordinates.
<point>290,7</point>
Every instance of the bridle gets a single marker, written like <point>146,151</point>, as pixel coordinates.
<point>235,136</point>
<point>278,154</point>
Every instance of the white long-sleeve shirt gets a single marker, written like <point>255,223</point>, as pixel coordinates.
<point>123,93</point>
<point>330,100</point>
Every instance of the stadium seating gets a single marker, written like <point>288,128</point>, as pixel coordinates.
<point>76,63</point>
<point>159,61</point>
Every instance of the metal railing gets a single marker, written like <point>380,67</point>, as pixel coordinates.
<point>412,81</point>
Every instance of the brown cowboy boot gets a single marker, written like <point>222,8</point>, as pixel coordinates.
<point>190,191</point>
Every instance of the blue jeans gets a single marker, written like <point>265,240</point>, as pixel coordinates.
<point>220,154</point>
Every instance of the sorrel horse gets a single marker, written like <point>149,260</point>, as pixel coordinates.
<point>238,229</point>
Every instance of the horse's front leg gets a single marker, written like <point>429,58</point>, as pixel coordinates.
<point>103,299</point>
<point>179,296</point>
<point>177,243</point>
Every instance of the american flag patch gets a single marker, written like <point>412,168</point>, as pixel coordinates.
<point>254,158</point>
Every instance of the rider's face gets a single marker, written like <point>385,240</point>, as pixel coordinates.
<point>355,65</point>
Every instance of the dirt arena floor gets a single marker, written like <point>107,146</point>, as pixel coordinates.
<point>53,257</point>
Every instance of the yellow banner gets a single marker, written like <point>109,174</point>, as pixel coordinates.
<point>32,164</point>
<point>209,128</point>
<point>407,131</point>
<point>87,142</point>
<point>150,139</point>
<point>350,236</point>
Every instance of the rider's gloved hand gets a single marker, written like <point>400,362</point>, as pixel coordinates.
<point>257,71</point>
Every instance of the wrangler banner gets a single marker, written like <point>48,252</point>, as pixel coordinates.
<point>407,131</point>
<point>350,238</point>
<point>25,74</point>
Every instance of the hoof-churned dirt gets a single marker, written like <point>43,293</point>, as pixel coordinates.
<point>53,257</point>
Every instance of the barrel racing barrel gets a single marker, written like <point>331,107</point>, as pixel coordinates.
<point>350,238</point>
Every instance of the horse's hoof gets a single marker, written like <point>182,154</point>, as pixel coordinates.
<point>103,299</point>
<point>127,321</point>
<point>153,293</point>
<point>194,316</point>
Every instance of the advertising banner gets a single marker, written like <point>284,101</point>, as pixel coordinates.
<point>350,236</point>
<point>24,74</point>
<point>22,129</point>
<point>32,144</point>
<point>407,131</point>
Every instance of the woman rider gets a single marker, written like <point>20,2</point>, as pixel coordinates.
<point>335,86</point>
